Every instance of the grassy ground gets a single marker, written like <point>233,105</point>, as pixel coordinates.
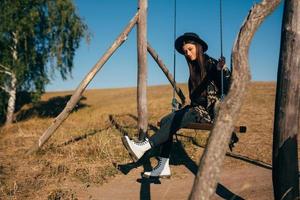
<point>85,149</point>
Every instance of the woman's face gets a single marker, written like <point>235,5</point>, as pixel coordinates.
<point>190,51</point>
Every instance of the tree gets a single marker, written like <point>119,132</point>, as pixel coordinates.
<point>209,169</point>
<point>37,38</point>
<point>286,122</point>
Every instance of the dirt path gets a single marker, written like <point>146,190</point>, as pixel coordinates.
<point>248,182</point>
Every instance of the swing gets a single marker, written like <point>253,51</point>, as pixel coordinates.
<point>209,126</point>
<point>175,103</point>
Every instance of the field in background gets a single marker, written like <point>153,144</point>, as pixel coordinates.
<point>86,148</point>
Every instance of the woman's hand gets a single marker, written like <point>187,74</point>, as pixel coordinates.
<point>221,63</point>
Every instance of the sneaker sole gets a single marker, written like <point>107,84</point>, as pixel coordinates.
<point>126,145</point>
<point>161,176</point>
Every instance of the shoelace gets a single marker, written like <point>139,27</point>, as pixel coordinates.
<point>141,143</point>
<point>158,165</point>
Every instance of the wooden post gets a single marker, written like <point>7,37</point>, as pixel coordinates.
<point>210,164</point>
<point>84,83</point>
<point>142,70</point>
<point>287,107</point>
<point>166,72</point>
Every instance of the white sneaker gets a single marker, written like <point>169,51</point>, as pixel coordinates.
<point>136,149</point>
<point>161,170</point>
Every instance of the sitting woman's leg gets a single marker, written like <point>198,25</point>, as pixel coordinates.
<point>164,138</point>
<point>169,125</point>
<point>162,169</point>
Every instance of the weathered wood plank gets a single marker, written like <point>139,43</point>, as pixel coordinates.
<point>208,127</point>
<point>84,83</point>
<point>287,107</point>
<point>142,70</point>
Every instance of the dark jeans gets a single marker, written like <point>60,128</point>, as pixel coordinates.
<point>169,125</point>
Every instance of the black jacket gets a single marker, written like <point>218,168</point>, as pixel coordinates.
<point>210,87</point>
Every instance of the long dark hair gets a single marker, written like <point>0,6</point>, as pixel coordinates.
<point>196,67</point>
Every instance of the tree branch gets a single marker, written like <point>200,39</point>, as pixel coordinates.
<point>209,169</point>
<point>6,72</point>
<point>5,68</point>
<point>5,89</point>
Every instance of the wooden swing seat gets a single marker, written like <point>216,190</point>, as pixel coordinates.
<point>208,126</point>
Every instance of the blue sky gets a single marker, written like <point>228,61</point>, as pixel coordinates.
<point>106,19</point>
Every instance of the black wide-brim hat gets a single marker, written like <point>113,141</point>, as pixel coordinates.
<point>189,37</point>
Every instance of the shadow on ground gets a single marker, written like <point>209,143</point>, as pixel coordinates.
<point>82,137</point>
<point>178,157</point>
<point>49,108</point>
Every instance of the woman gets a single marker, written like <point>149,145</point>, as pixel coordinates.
<point>204,90</point>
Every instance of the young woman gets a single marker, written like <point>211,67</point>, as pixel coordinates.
<point>204,90</point>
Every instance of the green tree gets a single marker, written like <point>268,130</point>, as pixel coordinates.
<point>37,38</point>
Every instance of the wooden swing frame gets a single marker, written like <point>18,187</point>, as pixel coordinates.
<point>285,128</point>
<point>139,19</point>
<point>209,126</point>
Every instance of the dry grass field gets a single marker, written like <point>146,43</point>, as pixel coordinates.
<point>86,148</point>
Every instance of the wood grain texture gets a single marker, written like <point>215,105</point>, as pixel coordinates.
<point>287,106</point>
<point>142,70</point>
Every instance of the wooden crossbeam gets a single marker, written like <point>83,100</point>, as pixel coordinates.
<point>208,126</point>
